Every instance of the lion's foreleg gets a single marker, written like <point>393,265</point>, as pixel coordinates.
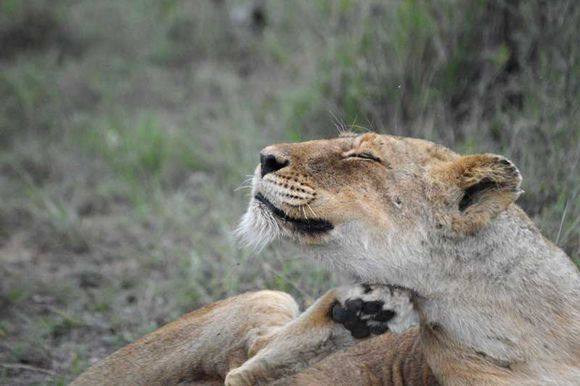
<point>302,342</point>
<point>330,324</point>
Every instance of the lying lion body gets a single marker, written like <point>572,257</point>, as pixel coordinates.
<point>498,303</point>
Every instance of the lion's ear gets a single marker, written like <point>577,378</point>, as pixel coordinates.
<point>485,185</point>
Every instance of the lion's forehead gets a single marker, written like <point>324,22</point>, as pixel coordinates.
<point>401,150</point>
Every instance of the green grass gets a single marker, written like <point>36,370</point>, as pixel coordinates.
<point>128,130</point>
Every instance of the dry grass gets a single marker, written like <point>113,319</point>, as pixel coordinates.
<point>127,128</point>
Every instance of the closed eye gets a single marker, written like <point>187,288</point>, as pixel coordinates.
<point>365,156</point>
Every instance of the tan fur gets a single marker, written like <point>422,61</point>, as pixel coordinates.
<point>204,345</point>
<point>200,347</point>
<point>498,304</point>
<point>389,359</point>
<point>302,342</point>
<point>470,170</point>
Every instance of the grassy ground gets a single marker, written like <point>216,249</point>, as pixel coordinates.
<point>128,128</point>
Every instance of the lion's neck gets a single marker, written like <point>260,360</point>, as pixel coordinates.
<point>507,296</point>
<point>510,298</point>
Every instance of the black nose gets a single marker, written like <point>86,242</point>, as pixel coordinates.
<point>271,163</point>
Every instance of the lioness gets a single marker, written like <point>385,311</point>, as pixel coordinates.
<point>497,303</point>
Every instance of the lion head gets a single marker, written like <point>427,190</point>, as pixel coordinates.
<point>357,197</point>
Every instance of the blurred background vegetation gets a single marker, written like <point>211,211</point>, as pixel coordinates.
<point>126,128</point>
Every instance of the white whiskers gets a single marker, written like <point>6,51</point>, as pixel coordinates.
<point>311,210</point>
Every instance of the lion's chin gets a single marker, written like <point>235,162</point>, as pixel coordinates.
<point>263,223</point>
<point>258,227</point>
<point>300,226</point>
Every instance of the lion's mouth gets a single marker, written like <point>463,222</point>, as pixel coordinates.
<point>308,226</point>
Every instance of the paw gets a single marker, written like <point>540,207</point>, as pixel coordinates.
<point>367,310</point>
<point>361,311</point>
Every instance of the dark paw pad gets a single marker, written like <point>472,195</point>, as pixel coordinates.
<point>362,318</point>
<point>343,315</point>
